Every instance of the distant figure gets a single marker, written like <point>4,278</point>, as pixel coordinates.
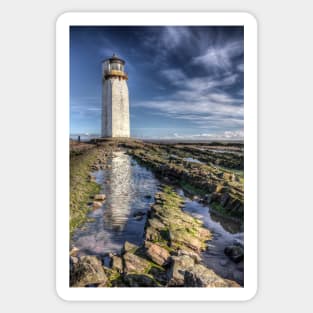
<point>78,138</point>
<point>115,99</point>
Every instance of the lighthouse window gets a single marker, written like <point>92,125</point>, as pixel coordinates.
<point>115,66</point>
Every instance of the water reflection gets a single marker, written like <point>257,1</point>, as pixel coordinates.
<point>129,189</point>
<point>118,188</point>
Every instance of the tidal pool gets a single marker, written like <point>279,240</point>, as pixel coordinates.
<point>214,256</point>
<point>129,189</point>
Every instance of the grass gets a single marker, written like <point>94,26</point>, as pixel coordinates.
<point>218,207</point>
<point>192,189</point>
<point>81,189</point>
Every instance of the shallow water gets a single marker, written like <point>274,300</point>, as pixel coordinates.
<point>130,189</point>
<point>192,160</point>
<point>214,256</point>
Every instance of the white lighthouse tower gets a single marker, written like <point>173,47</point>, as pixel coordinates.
<point>115,99</point>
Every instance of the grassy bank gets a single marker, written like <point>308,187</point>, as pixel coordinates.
<point>81,187</point>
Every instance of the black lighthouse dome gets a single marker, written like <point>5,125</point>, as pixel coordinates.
<point>115,59</point>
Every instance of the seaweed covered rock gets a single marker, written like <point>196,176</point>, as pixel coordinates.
<point>117,263</point>
<point>157,254</point>
<point>173,229</point>
<point>181,237</point>
<point>199,171</point>
<point>87,271</point>
<point>140,280</point>
<point>176,273</point>
<point>170,255</point>
<point>128,246</point>
<point>201,276</point>
<point>159,274</point>
<point>100,197</point>
<point>134,263</point>
<point>235,253</point>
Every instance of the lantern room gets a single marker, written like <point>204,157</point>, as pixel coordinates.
<point>114,67</point>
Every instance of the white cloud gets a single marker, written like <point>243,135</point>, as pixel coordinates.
<point>226,135</point>
<point>220,56</point>
<point>198,99</point>
<point>202,114</point>
<point>174,36</point>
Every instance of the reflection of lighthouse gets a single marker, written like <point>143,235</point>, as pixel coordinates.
<point>115,99</point>
<point>119,189</point>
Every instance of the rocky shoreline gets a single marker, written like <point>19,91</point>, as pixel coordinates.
<point>169,257</point>
<point>221,188</point>
<point>173,240</point>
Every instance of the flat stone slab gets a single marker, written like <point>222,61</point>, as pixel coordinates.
<point>157,254</point>
<point>134,263</point>
<point>201,276</point>
<point>87,270</point>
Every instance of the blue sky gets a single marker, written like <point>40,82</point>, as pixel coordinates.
<point>184,82</point>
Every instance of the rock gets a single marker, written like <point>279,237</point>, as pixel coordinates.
<point>166,179</point>
<point>97,204</point>
<point>176,273</point>
<point>195,256</point>
<point>204,233</point>
<point>138,215</point>
<point>224,199</point>
<point>200,276</point>
<point>157,254</point>
<point>129,247</point>
<point>117,263</point>
<point>206,198</point>
<point>159,275</point>
<point>91,178</point>
<point>140,280</point>
<point>220,174</point>
<point>152,234</point>
<point>235,253</point>
<point>74,251</point>
<point>88,270</point>
<point>155,223</point>
<point>73,260</point>
<point>148,196</point>
<point>180,237</point>
<point>215,196</point>
<point>134,263</point>
<point>100,197</point>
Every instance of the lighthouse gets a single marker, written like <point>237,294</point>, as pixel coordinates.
<point>115,99</point>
